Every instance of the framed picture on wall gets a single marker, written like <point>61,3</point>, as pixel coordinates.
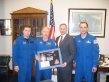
<point>5,27</point>
<point>96,19</point>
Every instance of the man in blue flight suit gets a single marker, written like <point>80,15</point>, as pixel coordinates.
<point>23,55</point>
<point>86,59</point>
<point>43,43</point>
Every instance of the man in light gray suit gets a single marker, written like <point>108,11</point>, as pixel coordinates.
<point>67,47</point>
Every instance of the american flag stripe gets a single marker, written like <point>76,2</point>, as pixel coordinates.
<point>52,23</point>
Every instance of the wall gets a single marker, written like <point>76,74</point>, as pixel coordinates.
<point>60,13</point>
<point>6,45</point>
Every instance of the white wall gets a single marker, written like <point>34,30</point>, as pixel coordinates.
<point>60,12</point>
<point>6,45</point>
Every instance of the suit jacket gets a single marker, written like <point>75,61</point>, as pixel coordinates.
<point>67,48</point>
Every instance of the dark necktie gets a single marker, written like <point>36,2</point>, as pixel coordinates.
<point>60,41</point>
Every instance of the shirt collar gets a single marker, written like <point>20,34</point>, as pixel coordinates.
<point>24,38</point>
<point>43,40</point>
<point>85,37</point>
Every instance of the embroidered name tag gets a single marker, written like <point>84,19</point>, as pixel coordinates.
<point>41,42</point>
<point>24,42</point>
<point>79,41</point>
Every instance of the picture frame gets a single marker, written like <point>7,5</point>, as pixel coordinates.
<point>50,59</point>
<point>102,58</point>
<point>5,27</point>
<point>96,19</point>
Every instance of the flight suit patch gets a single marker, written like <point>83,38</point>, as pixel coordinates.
<point>31,42</point>
<point>48,43</point>
<point>95,42</point>
<point>88,41</point>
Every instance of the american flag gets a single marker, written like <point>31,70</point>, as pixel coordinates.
<point>52,23</point>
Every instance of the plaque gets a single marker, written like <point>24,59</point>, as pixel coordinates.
<point>50,58</point>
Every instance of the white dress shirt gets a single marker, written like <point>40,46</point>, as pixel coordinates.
<point>63,36</point>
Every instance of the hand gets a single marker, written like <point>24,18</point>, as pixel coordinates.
<point>65,64</point>
<point>74,64</point>
<point>37,57</point>
<point>94,69</point>
<point>16,68</point>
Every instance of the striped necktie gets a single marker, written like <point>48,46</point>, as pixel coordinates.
<point>61,41</point>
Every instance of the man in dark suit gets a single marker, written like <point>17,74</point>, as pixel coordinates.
<point>67,47</point>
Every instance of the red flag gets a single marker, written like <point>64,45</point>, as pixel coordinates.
<point>52,23</point>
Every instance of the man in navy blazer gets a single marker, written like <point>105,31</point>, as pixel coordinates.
<point>67,47</point>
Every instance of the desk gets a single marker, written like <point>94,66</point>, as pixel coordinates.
<point>103,69</point>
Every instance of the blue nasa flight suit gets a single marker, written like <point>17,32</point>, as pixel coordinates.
<point>40,45</point>
<point>86,57</point>
<point>23,51</point>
